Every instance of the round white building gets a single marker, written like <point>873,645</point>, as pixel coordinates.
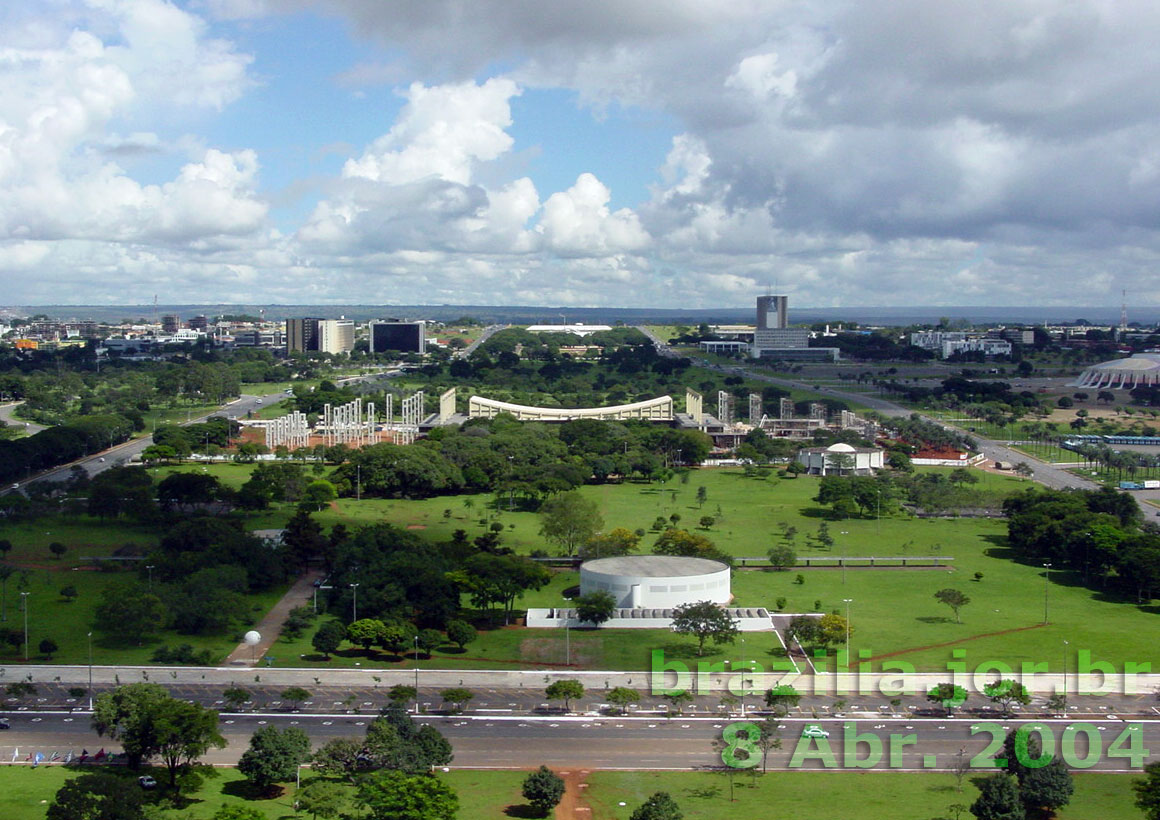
<point>656,581</point>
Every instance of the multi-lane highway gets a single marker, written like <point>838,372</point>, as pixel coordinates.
<point>659,743</point>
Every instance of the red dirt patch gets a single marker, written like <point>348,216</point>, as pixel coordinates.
<point>949,643</point>
<point>416,526</point>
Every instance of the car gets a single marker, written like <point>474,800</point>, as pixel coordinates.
<point>259,401</point>
<point>814,730</point>
<point>4,724</point>
<point>101,459</point>
<point>147,782</point>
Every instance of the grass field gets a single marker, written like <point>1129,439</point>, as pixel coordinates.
<point>833,795</point>
<point>25,793</point>
<point>893,610</point>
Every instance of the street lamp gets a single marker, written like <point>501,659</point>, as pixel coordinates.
<point>1046,577</point>
<point>416,674</point>
<point>150,568</point>
<point>354,603</point>
<point>1065,645</point>
<point>847,602</point>
<point>90,671</point>
<point>24,606</point>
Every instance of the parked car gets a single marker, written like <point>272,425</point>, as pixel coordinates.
<point>4,724</point>
<point>814,730</point>
<point>147,782</point>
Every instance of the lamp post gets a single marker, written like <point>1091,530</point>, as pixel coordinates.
<point>842,558</point>
<point>90,671</point>
<point>878,512</point>
<point>354,603</point>
<point>24,606</point>
<point>1065,645</point>
<point>416,674</point>
<point>150,568</point>
<point>847,602</point>
<point>1046,577</point>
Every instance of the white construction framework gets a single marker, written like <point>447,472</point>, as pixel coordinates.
<point>658,409</point>
<point>755,413</point>
<point>290,431</point>
<point>348,424</point>
<point>724,407</point>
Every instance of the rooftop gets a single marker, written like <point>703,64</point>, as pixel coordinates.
<point>659,566</point>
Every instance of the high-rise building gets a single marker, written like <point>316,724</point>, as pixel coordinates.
<point>199,323</point>
<point>405,337</point>
<point>319,335</point>
<point>772,312</point>
<point>170,323</point>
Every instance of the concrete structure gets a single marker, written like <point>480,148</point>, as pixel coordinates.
<point>404,337</point>
<point>748,619</point>
<point>447,404</point>
<point>948,342</point>
<point>724,348</point>
<point>772,312</point>
<point>575,330</point>
<point>170,323</point>
<point>658,409</point>
<point>319,335</point>
<point>694,406</point>
<point>724,407</point>
<point>657,581</point>
<point>1140,370</point>
<point>841,459</point>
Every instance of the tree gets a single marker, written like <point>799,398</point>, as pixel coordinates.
<point>69,593</point>
<point>948,696</point>
<point>998,799</point>
<point>235,811</point>
<point>565,690</point>
<point>274,756</point>
<point>428,640</point>
<point>702,496</point>
<point>366,632</point>
<point>329,637</point>
<point>767,739</point>
<point>394,795</point>
<point>595,608</point>
<point>705,620</point>
<point>234,697</point>
<point>48,648</point>
<point>618,541</point>
<point>678,699</point>
<point>803,629</point>
<point>97,797</point>
<point>130,613</point>
<point>621,697</point>
<point>706,522</point>
<point>457,696</point>
<point>782,698</point>
<point>659,806</point>
<point>833,629</point>
<point>321,798</point>
<point>149,723</point>
<point>57,549</point>
<point>569,520</point>
<point>401,693</point>
<point>1047,788</point>
<point>1148,791</point>
<point>341,757</point>
<point>295,694</point>
<point>1006,693</point>
<point>461,633</point>
<point>954,598</point>
<point>319,494</point>
<point>782,557</point>
<point>544,789</point>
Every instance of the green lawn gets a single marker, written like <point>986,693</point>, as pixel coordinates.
<point>25,793</point>
<point>832,795</point>
<point>893,610</point>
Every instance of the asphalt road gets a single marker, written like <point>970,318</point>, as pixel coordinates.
<point>648,743</point>
<point>124,452</point>
<point>7,415</point>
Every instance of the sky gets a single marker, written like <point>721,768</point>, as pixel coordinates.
<point>644,153</point>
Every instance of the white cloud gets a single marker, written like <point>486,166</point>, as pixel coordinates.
<point>577,222</point>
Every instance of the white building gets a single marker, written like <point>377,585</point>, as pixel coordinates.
<point>841,459</point>
<point>657,581</point>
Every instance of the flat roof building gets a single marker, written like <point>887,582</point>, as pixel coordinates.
<point>404,337</point>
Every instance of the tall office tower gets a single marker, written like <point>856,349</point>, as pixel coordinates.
<point>772,312</point>
<point>301,335</point>
<point>405,337</point>
<point>170,323</point>
<point>336,335</point>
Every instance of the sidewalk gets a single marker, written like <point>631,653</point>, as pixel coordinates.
<point>270,627</point>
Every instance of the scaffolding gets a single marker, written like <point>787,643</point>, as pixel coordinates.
<point>724,407</point>
<point>755,414</point>
<point>412,415</point>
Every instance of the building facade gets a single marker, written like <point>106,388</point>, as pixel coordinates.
<point>404,337</point>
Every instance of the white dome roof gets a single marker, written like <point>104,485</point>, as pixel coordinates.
<point>840,447</point>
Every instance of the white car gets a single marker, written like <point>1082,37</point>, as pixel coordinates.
<point>147,782</point>
<point>813,730</point>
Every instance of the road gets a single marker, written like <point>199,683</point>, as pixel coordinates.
<point>488,332</point>
<point>122,453</point>
<point>644,743</point>
<point>7,415</point>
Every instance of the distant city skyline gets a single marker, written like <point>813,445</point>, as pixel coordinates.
<point>686,155</point>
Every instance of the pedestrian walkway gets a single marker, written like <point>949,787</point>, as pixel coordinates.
<point>270,627</point>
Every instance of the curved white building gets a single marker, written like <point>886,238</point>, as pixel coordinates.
<point>1140,370</point>
<point>657,581</point>
<point>842,459</point>
<point>659,409</point>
